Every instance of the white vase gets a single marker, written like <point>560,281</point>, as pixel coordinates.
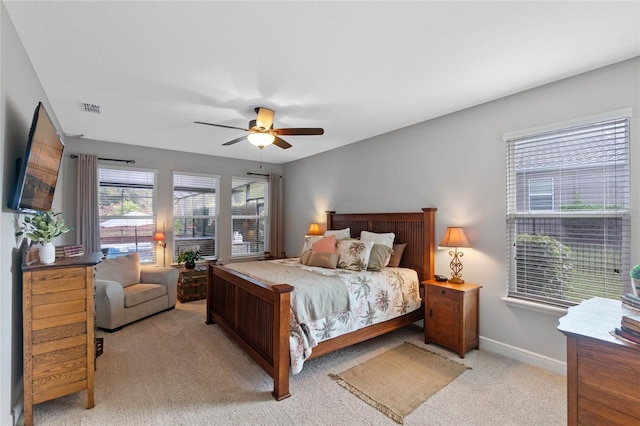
<point>635,286</point>
<point>47,253</point>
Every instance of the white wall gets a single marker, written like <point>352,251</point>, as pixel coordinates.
<point>457,164</point>
<point>20,93</point>
<point>165,162</point>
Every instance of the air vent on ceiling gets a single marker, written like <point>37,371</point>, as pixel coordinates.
<point>87,107</point>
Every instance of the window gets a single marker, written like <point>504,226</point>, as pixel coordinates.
<point>541,193</point>
<point>249,201</point>
<point>127,205</point>
<point>195,213</point>
<point>568,219</point>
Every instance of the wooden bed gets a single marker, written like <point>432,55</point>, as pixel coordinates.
<point>256,315</point>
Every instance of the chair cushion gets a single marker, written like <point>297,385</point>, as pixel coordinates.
<point>140,293</point>
<point>122,269</point>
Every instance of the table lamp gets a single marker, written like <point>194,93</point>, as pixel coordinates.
<point>314,229</point>
<point>454,237</point>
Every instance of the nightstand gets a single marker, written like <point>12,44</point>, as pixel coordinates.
<point>451,315</point>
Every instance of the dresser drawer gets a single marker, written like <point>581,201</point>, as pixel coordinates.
<point>443,292</point>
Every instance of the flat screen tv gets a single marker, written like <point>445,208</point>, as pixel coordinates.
<point>38,170</point>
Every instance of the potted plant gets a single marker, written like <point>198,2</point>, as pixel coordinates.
<point>189,258</point>
<point>43,227</point>
<point>635,279</point>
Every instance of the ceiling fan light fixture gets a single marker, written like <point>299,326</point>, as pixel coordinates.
<point>261,139</point>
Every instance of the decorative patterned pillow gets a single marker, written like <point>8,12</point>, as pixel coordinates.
<point>340,234</point>
<point>325,245</point>
<point>379,257</point>
<point>398,249</point>
<point>354,254</point>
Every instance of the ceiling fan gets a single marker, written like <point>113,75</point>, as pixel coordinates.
<point>262,133</point>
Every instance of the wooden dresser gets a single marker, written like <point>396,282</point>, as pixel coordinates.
<point>603,372</point>
<point>58,329</point>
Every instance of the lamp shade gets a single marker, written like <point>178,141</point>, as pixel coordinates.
<point>158,236</point>
<point>454,237</point>
<point>314,229</point>
<point>261,139</point>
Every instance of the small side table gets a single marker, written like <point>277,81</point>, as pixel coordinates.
<point>451,316</point>
<point>192,284</point>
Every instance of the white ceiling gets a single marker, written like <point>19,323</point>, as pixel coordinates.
<point>357,69</point>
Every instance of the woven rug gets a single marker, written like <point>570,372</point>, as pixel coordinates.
<point>396,382</point>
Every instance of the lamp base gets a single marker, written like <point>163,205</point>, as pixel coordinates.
<point>455,280</point>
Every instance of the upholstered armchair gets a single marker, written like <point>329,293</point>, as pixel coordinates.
<point>126,291</point>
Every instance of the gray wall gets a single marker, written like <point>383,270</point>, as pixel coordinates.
<point>165,162</point>
<point>457,164</point>
<point>20,92</point>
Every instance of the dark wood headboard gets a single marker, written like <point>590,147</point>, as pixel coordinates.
<point>415,229</point>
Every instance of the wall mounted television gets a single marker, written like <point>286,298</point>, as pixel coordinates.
<point>38,170</point>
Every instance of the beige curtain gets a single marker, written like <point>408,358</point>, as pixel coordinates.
<point>87,214</point>
<point>276,243</point>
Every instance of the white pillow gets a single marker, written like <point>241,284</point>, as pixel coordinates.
<point>308,242</point>
<point>340,234</point>
<point>384,239</point>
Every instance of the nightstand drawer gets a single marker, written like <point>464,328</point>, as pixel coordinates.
<point>443,292</point>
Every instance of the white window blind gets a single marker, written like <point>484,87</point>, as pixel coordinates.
<point>195,213</point>
<point>568,220</point>
<point>250,216</point>
<point>127,206</point>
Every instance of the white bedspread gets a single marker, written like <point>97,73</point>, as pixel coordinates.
<point>373,297</point>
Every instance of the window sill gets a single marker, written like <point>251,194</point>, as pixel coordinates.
<point>533,306</point>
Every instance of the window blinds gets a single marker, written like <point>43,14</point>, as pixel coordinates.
<point>249,209</point>
<point>568,220</point>
<point>195,212</point>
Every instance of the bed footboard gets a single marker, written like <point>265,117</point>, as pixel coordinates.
<point>256,317</point>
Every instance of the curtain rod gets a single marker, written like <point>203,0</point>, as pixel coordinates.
<point>110,159</point>
<point>259,174</point>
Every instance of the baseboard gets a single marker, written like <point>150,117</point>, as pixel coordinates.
<point>522,355</point>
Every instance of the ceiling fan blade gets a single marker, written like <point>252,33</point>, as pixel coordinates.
<point>265,118</point>
<point>220,125</point>
<point>299,131</point>
<point>281,143</point>
<point>240,139</point>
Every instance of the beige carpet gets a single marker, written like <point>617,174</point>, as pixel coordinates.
<point>172,369</point>
<point>396,382</point>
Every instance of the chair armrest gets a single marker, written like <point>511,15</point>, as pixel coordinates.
<point>167,276</point>
<point>109,304</point>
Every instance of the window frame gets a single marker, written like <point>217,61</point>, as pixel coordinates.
<point>177,248</point>
<point>151,218</point>
<point>261,215</point>
<point>615,216</point>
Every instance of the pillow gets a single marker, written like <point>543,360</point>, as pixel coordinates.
<point>340,234</point>
<point>323,260</point>
<point>122,269</point>
<point>398,249</point>
<point>385,239</point>
<point>325,245</point>
<point>304,259</point>
<point>354,254</point>
<point>379,257</point>
<point>308,241</point>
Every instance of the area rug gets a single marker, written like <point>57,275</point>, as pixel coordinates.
<point>396,382</point>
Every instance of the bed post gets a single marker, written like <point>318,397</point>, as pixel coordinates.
<point>429,242</point>
<point>329,218</point>
<point>281,331</point>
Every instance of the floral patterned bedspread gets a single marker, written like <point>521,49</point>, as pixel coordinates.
<point>374,297</point>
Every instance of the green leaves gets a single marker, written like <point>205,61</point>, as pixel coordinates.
<point>43,226</point>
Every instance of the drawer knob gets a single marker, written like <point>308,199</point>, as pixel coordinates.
<point>442,292</point>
